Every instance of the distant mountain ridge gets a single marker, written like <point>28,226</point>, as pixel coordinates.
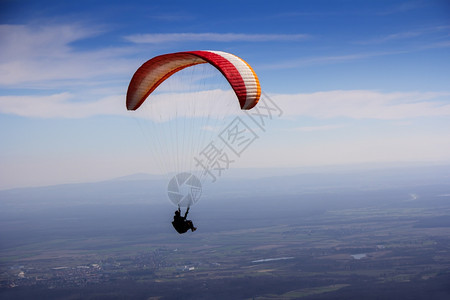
<point>257,183</point>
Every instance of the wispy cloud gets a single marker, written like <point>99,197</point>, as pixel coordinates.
<point>405,35</point>
<point>158,38</point>
<point>26,41</point>
<point>363,104</point>
<point>35,56</point>
<point>318,128</point>
<point>334,59</point>
<point>160,107</point>
<point>173,17</point>
<point>61,105</point>
<point>402,7</point>
<point>328,59</point>
<point>392,37</point>
<point>352,104</point>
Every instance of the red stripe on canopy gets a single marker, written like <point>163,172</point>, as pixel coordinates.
<point>228,70</point>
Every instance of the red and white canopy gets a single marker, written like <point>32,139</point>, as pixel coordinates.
<point>151,74</point>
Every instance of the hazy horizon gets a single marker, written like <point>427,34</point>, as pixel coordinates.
<point>258,173</point>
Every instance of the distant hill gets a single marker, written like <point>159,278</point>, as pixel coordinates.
<point>254,184</point>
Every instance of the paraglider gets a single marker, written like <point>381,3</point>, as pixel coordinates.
<point>185,188</point>
<point>151,74</point>
<point>181,224</point>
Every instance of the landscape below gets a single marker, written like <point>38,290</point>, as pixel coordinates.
<point>375,239</point>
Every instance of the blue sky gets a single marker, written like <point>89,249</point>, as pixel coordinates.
<point>358,81</point>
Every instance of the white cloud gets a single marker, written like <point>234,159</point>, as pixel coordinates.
<point>60,106</point>
<point>363,104</point>
<point>330,59</point>
<point>158,38</point>
<point>353,104</point>
<point>402,8</point>
<point>159,107</point>
<point>23,42</point>
<point>370,149</point>
<point>405,35</point>
<point>333,59</point>
<point>43,56</point>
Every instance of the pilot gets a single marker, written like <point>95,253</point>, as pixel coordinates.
<point>180,223</point>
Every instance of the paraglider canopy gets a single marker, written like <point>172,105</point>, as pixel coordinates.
<point>237,72</point>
